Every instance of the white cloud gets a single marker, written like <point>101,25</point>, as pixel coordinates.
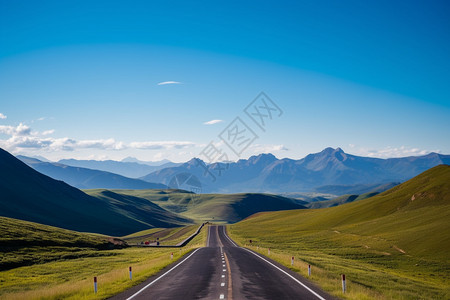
<point>108,144</point>
<point>158,156</point>
<point>212,122</point>
<point>161,145</point>
<point>48,132</point>
<point>258,148</point>
<point>41,119</point>
<point>18,142</point>
<point>391,152</point>
<point>169,82</point>
<point>97,157</point>
<point>20,130</point>
<point>2,116</point>
<point>22,137</point>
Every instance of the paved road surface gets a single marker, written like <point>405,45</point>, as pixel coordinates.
<point>222,270</point>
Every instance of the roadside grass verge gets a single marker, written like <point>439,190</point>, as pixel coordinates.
<point>375,268</point>
<point>167,236</point>
<point>73,278</point>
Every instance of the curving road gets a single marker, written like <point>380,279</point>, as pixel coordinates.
<point>222,270</point>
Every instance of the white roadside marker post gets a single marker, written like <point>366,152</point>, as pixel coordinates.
<point>344,287</point>
<point>292,261</point>
<point>171,256</point>
<point>309,270</point>
<point>95,285</point>
<point>131,274</point>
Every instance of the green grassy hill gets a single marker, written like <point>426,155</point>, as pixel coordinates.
<point>227,208</point>
<point>44,262</point>
<point>131,206</point>
<point>29,195</point>
<point>26,243</point>
<point>395,244</point>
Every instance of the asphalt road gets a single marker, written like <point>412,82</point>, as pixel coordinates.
<point>222,270</point>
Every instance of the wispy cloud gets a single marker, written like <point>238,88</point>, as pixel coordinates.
<point>169,82</point>
<point>212,122</point>
<point>2,116</point>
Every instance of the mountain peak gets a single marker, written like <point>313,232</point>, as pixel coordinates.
<point>327,151</point>
<point>262,158</point>
<point>194,162</point>
<point>330,150</point>
<point>130,159</point>
<point>327,158</point>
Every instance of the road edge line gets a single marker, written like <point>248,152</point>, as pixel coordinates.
<point>286,273</point>
<point>226,235</point>
<point>145,287</point>
<point>209,234</point>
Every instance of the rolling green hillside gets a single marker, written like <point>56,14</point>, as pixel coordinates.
<point>395,244</point>
<point>227,208</point>
<point>131,206</point>
<point>26,243</point>
<point>29,195</point>
<point>44,262</point>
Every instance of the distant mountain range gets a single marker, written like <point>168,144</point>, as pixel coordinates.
<point>330,169</point>
<point>128,167</point>
<point>148,163</point>
<point>29,195</point>
<point>84,178</point>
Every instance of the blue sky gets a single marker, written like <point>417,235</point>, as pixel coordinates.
<point>82,79</point>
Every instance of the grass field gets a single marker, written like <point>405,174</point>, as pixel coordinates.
<point>65,270</point>
<point>392,246</point>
